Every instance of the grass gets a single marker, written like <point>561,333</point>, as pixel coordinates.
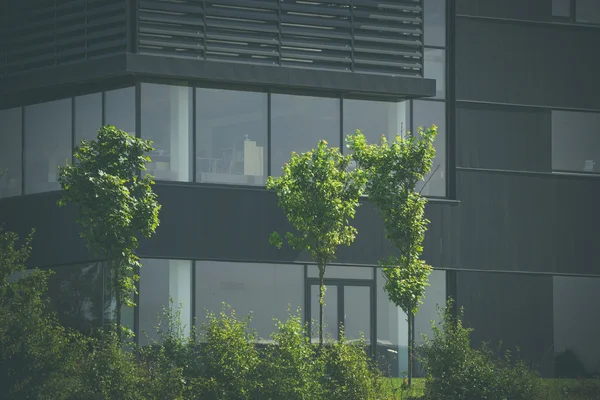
<point>554,389</point>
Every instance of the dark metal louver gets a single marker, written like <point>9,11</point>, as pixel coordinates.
<point>373,36</point>
<point>43,33</point>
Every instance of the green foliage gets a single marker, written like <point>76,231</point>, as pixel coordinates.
<point>319,195</point>
<point>351,374</point>
<point>38,357</point>
<point>291,369</point>
<point>229,356</point>
<point>115,204</point>
<point>110,371</point>
<point>393,171</point>
<point>457,371</point>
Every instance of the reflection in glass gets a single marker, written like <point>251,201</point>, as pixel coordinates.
<point>561,8</point>
<point>341,272</point>
<point>299,123</point>
<point>376,118</point>
<point>575,141</point>
<point>392,333</point>
<point>263,290</point>
<point>160,282</point>
<point>425,114</point>
<point>47,144</point>
<point>120,109</point>
<point>357,312</point>
<point>231,136</point>
<point>11,135</point>
<point>435,23</point>
<point>576,326</point>
<point>435,68</point>
<point>330,313</point>
<point>588,11</point>
<point>435,295</point>
<point>88,117</point>
<point>167,122</point>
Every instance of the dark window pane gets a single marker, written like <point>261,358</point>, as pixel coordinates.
<point>231,136</point>
<point>575,141</point>
<point>47,144</point>
<point>11,134</point>
<point>435,68</point>
<point>88,117</point>
<point>160,282</point>
<point>299,123</point>
<point>120,109</point>
<point>265,290</point>
<point>576,326</point>
<point>167,121</point>
<point>425,114</point>
<point>435,23</point>
<point>375,118</point>
<point>76,295</point>
<point>561,8</point>
<point>588,11</point>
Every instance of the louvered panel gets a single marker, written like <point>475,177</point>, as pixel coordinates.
<point>42,33</point>
<point>174,28</point>
<point>352,35</point>
<point>243,31</point>
<point>388,37</point>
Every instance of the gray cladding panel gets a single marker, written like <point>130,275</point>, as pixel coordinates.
<point>528,64</point>
<point>514,309</point>
<point>534,10</point>
<point>214,223</point>
<point>523,222</point>
<point>509,138</point>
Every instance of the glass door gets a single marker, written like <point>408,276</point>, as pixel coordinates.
<point>349,304</point>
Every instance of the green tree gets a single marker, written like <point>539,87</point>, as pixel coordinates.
<point>393,171</point>
<point>115,204</point>
<point>38,357</point>
<point>319,195</point>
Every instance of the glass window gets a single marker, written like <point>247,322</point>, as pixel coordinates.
<point>299,123</point>
<point>575,141</point>
<point>231,136</point>
<point>336,271</point>
<point>47,144</point>
<point>331,318</point>
<point>376,118</point>
<point>587,11</point>
<point>576,332</point>
<point>435,23</point>
<point>435,68</point>
<point>76,294</point>
<point>425,114</point>
<point>561,8</point>
<point>392,333</point>
<point>120,109</point>
<point>265,290</point>
<point>11,136</point>
<point>88,117</point>
<point>160,282</point>
<point>167,121</point>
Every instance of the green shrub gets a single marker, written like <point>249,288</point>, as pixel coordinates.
<point>350,373</point>
<point>111,371</point>
<point>230,358</point>
<point>457,371</point>
<point>290,368</point>
<point>568,365</point>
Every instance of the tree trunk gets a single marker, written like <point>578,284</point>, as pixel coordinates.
<point>321,301</point>
<point>411,343</point>
<point>118,298</point>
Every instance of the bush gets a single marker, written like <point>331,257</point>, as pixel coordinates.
<point>351,374</point>
<point>457,371</point>
<point>291,369</point>
<point>230,358</point>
